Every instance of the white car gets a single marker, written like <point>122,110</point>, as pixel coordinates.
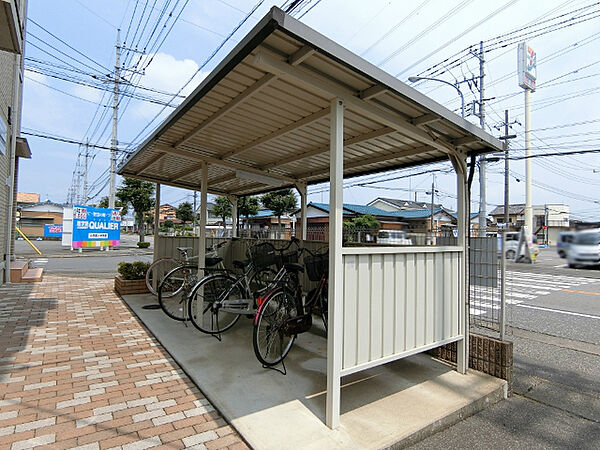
<point>512,245</point>
<point>393,237</point>
<point>585,249</point>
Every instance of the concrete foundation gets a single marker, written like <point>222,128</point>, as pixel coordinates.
<point>392,405</point>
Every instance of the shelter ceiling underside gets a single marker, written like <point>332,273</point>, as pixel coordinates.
<point>269,115</point>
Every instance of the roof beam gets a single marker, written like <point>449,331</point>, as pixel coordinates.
<point>238,100</point>
<point>465,140</point>
<point>301,55</point>
<point>325,148</point>
<point>399,152</point>
<point>425,119</point>
<point>150,162</point>
<point>169,182</point>
<point>386,117</point>
<point>187,171</point>
<point>222,178</point>
<point>278,133</point>
<point>372,92</point>
<point>218,162</point>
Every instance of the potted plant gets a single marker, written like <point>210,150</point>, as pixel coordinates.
<point>131,278</point>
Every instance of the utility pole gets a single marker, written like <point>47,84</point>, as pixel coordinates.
<point>505,138</point>
<point>115,119</point>
<point>77,178</point>
<point>85,173</point>
<point>482,175</point>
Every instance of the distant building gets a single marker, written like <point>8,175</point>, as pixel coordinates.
<point>27,198</point>
<point>33,217</point>
<point>548,220</point>
<point>12,146</point>
<point>415,220</point>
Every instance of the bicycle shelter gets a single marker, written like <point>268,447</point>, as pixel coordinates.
<point>289,108</point>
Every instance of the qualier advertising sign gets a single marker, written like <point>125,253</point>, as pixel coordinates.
<point>96,227</point>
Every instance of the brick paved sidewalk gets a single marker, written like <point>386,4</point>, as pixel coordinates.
<point>78,370</point>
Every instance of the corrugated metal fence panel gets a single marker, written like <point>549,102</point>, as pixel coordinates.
<point>483,261</point>
<point>395,303</point>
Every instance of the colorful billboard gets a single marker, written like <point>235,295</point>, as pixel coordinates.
<point>527,66</point>
<point>51,230</point>
<point>96,227</point>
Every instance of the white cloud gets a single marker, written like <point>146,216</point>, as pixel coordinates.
<point>167,74</point>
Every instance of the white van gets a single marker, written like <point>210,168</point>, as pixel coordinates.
<point>393,237</point>
<point>585,249</point>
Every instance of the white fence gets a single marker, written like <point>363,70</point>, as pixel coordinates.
<point>398,302</point>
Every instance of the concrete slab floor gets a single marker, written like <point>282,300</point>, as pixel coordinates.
<point>394,404</point>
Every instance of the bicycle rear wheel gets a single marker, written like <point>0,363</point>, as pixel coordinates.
<point>206,302</point>
<point>270,340</point>
<point>174,289</point>
<point>156,273</point>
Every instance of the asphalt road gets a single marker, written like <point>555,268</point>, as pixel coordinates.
<point>556,336</point>
<point>556,388</point>
<point>56,259</point>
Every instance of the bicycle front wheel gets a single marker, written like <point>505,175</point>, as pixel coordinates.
<point>209,296</point>
<point>156,273</point>
<point>174,289</point>
<point>270,339</point>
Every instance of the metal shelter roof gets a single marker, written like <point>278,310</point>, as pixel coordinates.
<point>261,119</point>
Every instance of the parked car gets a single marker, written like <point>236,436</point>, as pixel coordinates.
<point>585,249</point>
<point>512,245</point>
<point>393,237</point>
<point>564,242</point>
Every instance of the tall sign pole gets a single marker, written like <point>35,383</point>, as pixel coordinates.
<point>115,119</point>
<point>527,69</point>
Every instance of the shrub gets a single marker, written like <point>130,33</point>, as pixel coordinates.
<point>133,271</point>
<point>143,244</point>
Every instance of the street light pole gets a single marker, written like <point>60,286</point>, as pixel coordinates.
<point>462,98</point>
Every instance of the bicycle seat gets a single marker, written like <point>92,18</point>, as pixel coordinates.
<point>212,261</point>
<point>240,264</point>
<point>293,267</point>
<point>184,249</point>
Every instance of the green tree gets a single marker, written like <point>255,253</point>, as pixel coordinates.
<point>222,208</point>
<point>248,206</point>
<point>104,204</point>
<point>357,228</point>
<point>140,194</point>
<point>185,212</point>
<point>280,202</point>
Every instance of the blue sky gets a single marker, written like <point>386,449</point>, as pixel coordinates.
<point>386,32</point>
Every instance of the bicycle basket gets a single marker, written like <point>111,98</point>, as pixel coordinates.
<point>265,255</point>
<point>316,266</point>
<point>290,257</point>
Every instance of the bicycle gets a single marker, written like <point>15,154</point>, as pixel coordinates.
<point>218,300</point>
<point>283,313</point>
<point>176,285</point>
<point>162,266</point>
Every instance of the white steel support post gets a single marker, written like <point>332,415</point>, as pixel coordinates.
<point>156,220</point>
<point>202,235</point>
<point>303,201</point>
<point>335,327</point>
<point>463,222</point>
